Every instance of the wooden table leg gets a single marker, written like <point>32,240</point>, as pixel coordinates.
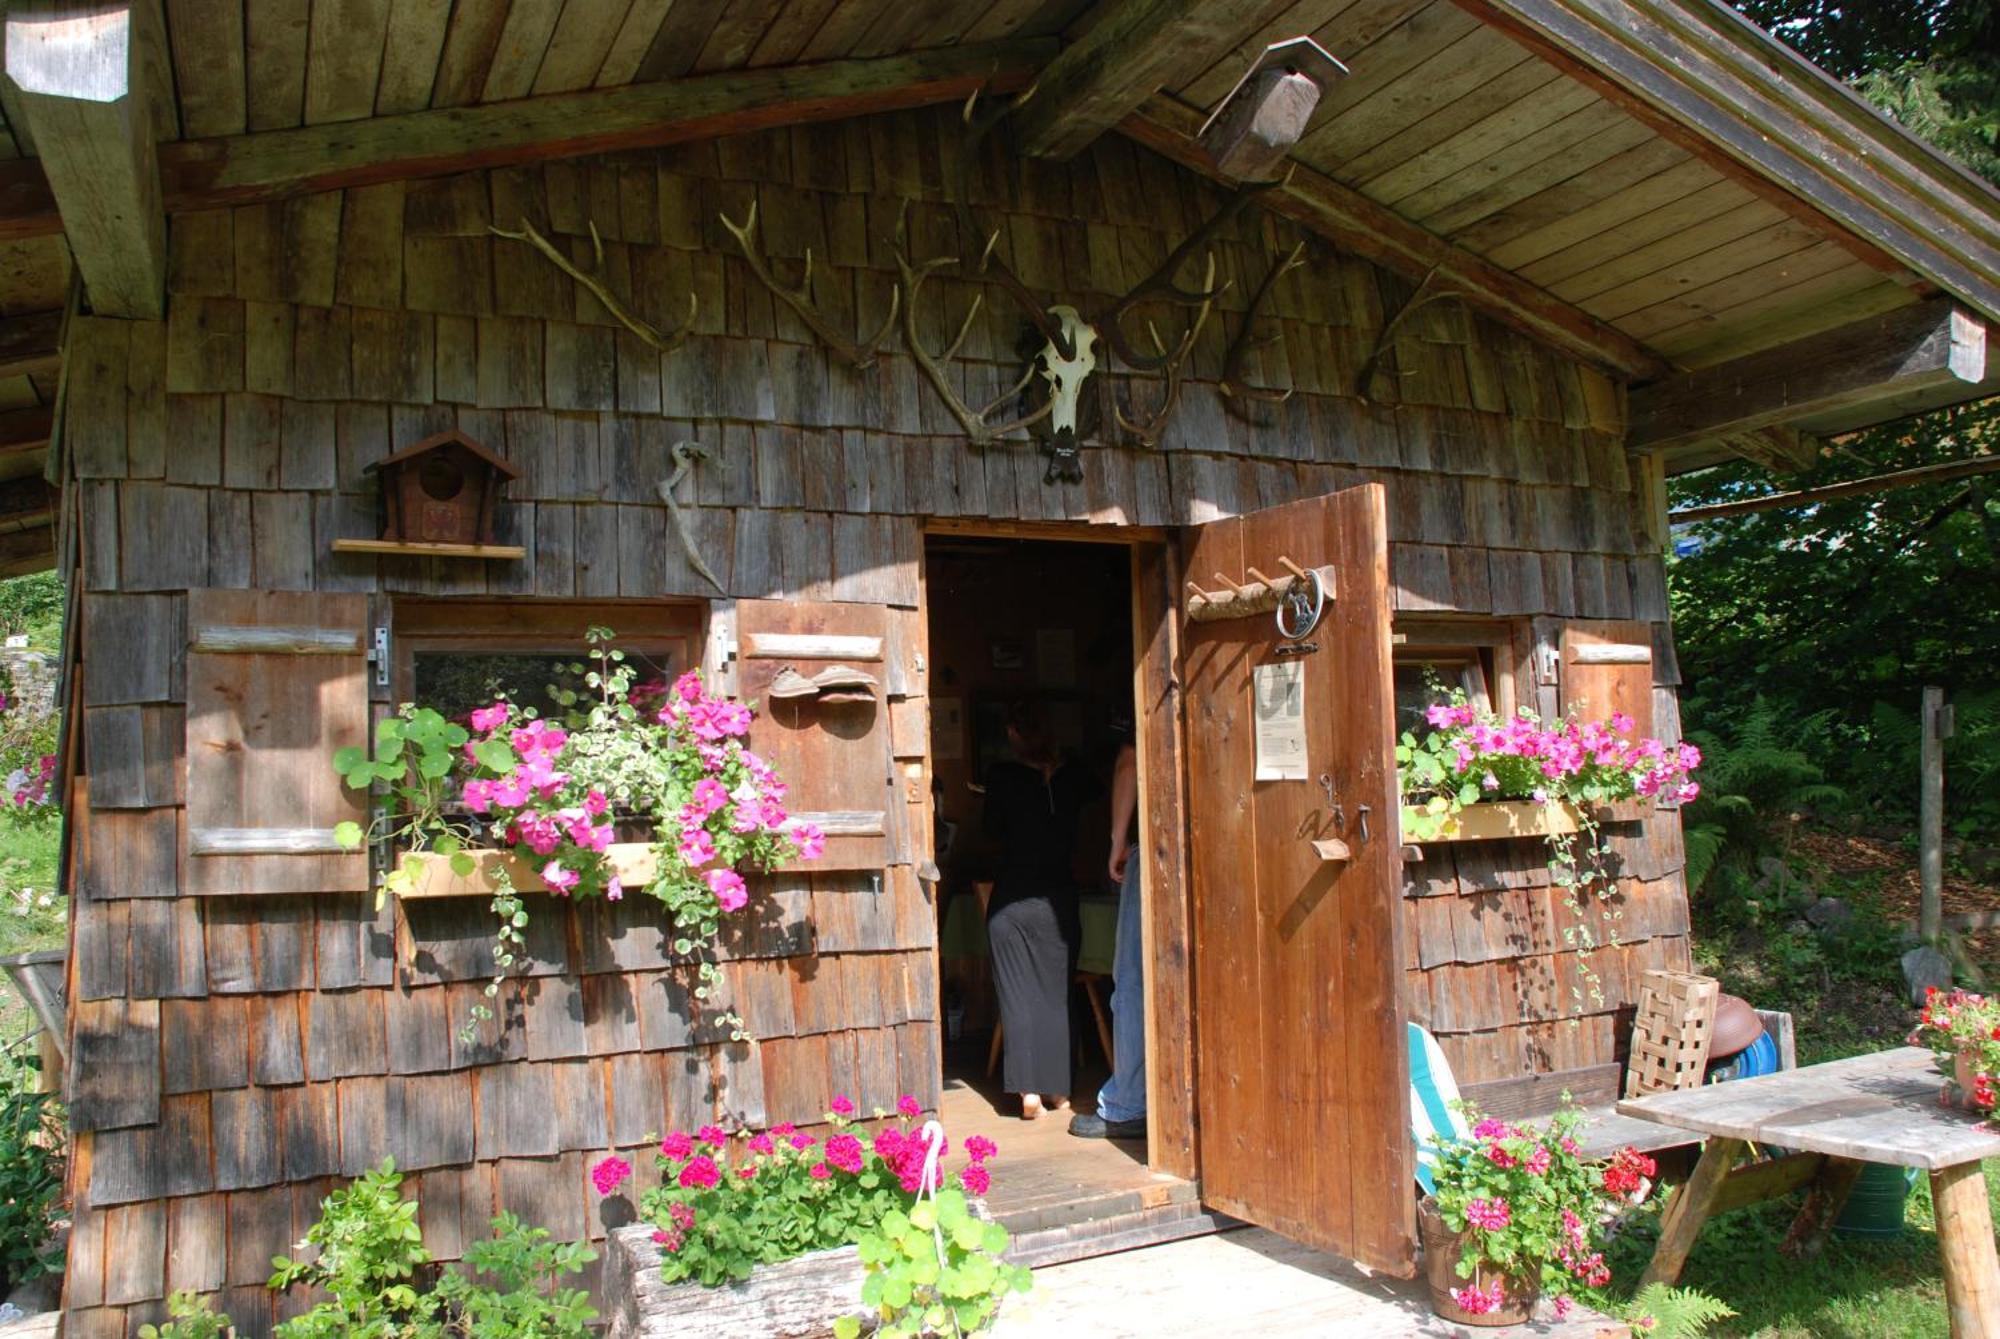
<point>1688,1210</point>
<point>1824,1202</point>
<point>1965,1239</point>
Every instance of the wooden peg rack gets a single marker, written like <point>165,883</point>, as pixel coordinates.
<point>1242,599</point>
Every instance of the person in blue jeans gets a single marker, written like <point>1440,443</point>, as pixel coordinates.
<point>1121,1103</point>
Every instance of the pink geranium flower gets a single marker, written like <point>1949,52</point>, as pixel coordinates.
<point>609,1174</point>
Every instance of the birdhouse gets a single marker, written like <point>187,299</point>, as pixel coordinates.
<point>441,491</point>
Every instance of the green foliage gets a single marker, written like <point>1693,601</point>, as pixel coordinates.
<point>1759,776</point>
<point>374,1265</point>
<point>935,1270</point>
<point>31,1140</point>
<point>33,605</point>
<point>193,1317</point>
<point>1663,1312</point>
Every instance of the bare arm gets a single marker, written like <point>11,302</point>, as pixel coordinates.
<point>1124,803</point>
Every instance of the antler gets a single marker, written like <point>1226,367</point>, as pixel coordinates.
<point>990,266</point>
<point>861,356</point>
<point>1243,345</point>
<point>1149,431</point>
<point>666,341</point>
<point>685,454</point>
<point>1160,286</point>
<point>978,428</point>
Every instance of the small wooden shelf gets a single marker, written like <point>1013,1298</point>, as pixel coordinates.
<point>429,550</point>
<point>1497,820</point>
<point>632,861</point>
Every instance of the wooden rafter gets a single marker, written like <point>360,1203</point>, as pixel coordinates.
<point>1377,233</point>
<point>93,84</point>
<point>1921,356</point>
<point>1942,472</point>
<point>29,344</point>
<point>1127,51</point>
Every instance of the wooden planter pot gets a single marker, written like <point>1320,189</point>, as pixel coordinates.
<point>633,861</point>
<point>1494,820</point>
<point>799,1299</point>
<point>1442,1248</point>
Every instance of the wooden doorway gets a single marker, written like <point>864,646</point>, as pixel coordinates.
<point>1299,1028</point>
<point>1084,618</point>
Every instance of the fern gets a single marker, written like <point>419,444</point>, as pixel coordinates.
<point>1661,1312</point>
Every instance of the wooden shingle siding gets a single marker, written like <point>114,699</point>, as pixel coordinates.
<point>297,1037</point>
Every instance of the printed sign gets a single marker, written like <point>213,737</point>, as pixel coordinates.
<point>1279,690</point>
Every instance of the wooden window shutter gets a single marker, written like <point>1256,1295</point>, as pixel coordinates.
<point>1607,667</point>
<point>831,746</point>
<point>276,681</point>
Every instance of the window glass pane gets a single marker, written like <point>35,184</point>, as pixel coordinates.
<point>456,682</point>
<point>1423,678</point>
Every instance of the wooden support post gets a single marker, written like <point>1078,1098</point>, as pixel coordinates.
<point>1823,1204</point>
<point>1930,816</point>
<point>93,82</point>
<point>1689,1209</point>
<point>1965,1241</point>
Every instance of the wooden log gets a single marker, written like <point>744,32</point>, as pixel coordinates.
<point>93,80</point>
<point>798,1299</point>
<point>1823,1204</point>
<point>1931,720</point>
<point>1965,1241</point>
<point>1689,1209</point>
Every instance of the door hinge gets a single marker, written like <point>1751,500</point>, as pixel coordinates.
<point>378,656</point>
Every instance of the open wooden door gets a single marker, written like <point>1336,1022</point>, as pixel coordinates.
<point>1300,1067</point>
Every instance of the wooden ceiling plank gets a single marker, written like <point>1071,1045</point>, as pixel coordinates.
<point>1482,139</point>
<point>1930,347</point>
<point>1305,16</point>
<point>25,502</point>
<point>344,59</point>
<point>1731,248</point>
<point>1131,48</point>
<point>517,55</point>
<point>1757,283</point>
<point>1376,233</point>
<point>30,345</point>
<point>1522,81</point>
<point>274,63</point>
<point>1473,62</point>
<point>412,55</point>
<point>1380,64</point>
<point>1780,315</point>
<point>782,42</point>
<point>844,28</point>
<point>1568,160</point>
<point>94,79</point>
<point>1555,228</point>
<point>1611,179</point>
<point>30,549</point>
<point>1670,214</point>
<point>681,38</point>
<point>469,44</point>
<point>737,33</point>
<point>252,168</point>
<point>25,431</point>
<point>581,42</point>
<point>208,45</point>
<point>634,39</point>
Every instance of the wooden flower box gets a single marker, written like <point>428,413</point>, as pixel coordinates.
<point>634,862</point>
<point>798,1299</point>
<point>1495,820</point>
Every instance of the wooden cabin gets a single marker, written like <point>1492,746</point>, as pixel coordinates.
<point>1542,253</point>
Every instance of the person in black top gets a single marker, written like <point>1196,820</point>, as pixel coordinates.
<point>1032,810</point>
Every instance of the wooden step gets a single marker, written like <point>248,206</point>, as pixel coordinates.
<point>1119,1232</point>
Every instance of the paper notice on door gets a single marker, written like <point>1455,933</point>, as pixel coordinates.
<point>1279,690</point>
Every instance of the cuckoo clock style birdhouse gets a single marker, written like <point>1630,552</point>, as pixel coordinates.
<point>441,495</point>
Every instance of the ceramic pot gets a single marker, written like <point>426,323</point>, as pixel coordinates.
<point>1442,1248</point>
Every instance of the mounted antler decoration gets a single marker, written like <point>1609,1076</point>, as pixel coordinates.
<point>666,341</point>
<point>859,356</point>
<point>1073,342</point>
<point>685,455</point>
<point>1385,342</point>
<point>1233,385</point>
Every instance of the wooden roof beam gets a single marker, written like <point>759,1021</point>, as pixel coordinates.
<point>29,345</point>
<point>1118,54</point>
<point>94,88</point>
<point>1931,351</point>
<point>1377,233</point>
<point>28,549</point>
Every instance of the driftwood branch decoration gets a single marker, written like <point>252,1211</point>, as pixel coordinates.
<point>666,341</point>
<point>859,356</point>
<point>1245,343</point>
<point>685,455</point>
<point>1424,295</point>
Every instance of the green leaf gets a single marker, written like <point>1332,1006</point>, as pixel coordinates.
<point>347,759</point>
<point>495,755</point>
<point>463,865</point>
<point>347,834</point>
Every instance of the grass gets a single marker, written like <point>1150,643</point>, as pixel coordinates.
<point>32,917</point>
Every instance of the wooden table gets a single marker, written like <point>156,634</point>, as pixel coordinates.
<point>1833,1118</point>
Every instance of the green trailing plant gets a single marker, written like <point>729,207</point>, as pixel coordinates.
<point>1663,1312</point>
<point>191,1316</point>
<point>31,1143</point>
<point>936,1269</point>
<point>524,1298</point>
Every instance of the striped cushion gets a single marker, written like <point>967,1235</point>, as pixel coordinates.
<point>1434,1117</point>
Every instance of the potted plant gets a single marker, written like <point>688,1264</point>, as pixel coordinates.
<point>1519,1211</point>
<point>788,1233</point>
<point>509,802</point>
<point>1963,1030</point>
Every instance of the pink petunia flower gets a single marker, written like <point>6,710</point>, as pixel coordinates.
<point>488,719</point>
<point>728,887</point>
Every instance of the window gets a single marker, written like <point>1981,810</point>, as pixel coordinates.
<point>457,655</point>
<point>1435,656</point>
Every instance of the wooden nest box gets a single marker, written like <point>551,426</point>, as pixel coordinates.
<point>441,491</point>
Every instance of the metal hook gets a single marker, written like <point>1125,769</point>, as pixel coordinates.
<point>1361,813</point>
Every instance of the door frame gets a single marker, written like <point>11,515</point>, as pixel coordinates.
<point>1162,759</point>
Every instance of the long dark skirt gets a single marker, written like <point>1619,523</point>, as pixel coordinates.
<point>1031,972</point>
